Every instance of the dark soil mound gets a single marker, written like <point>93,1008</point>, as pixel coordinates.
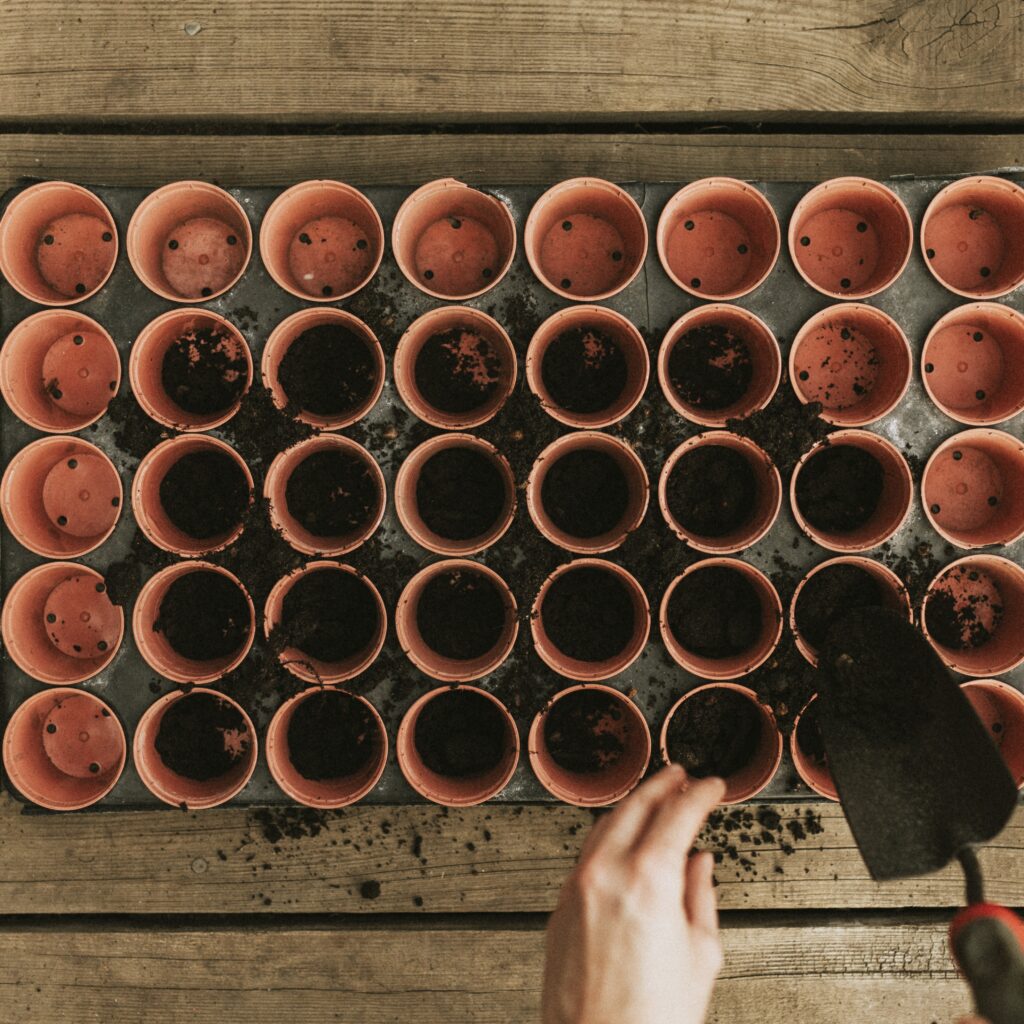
<point>588,614</point>
<point>839,488</point>
<point>584,370</point>
<point>712,491</point>
<point>328,371</point>
<point>583,732</point>
<point>710,367</point>
<point>808,736</point>
<point>205,494</point>
<point>460,734</point>
<point>202,737</point>
<point>830,594</point>
<point>715,732</point>
<point>461,615</point>
<point>204,372</point>
<point>585,493</point>
<point>457,371</point>
<point>460,493</point>
<point>333,493</point>
<point>332,735</point>
<point>204,615</point>
<point>958,624</point>
<point>715,612</point>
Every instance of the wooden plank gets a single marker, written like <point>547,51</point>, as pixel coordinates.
<point>346,61</point>
<point>829,974</point>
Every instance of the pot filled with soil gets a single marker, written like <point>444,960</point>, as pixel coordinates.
<point>58,371</point>
<point>64,749</point>
<point>455,494</point>
<point>326,495</point>
<point>585,239</point>
<point>193,622</point>
<point>190,495</point>
<point>195,749</point>
<point>456,620</point>
<point>721,618</point>
<point>327,748</point>
<point>973,363</point>
<point>59,625</point>
<point>1001,708</point>
<point>458,746</point>
<point>836,587</point>
<point>325,367</point>
<point>455,367</point>
<point>718,238</point>
<point>807,749</point>
<point>590,746</point>
<point>854,361</point>
<point>587,492</point>
<point>326,621</point>
<point>720,492</point>
<point>973,488</point>
<point>850,237</point>
<point>321,240</point>
<point>852,491</point>
<point>190,369</point>
<point>971,237</point>
<point>60,497</point>
<point>721,729</point>
<point>590,620</point>
<point>719,362</point>
<point>189,241</point>
<point>588,366</point>
<point>453,241</point>
<point>973,614</point>
<point>58,243</point>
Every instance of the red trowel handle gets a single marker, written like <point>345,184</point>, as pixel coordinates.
<point>988,945</point>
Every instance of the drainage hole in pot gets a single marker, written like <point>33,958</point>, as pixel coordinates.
<point>584,370</point>
<point>71,258</point>
<point>333,493</point>
<point>585,732</point>
<point>715,732</point>
<point>839,488</point>
<point>461,734</point>
<point>712,491</point>
<point>202,737</point>
<point>204,371</point>
<point>585,493</point>
<point>461,614</point>
<point>205,494</point>
<point>204,616</point>
<point>588,614</point>
<point>710,367</point>
<point>458,371</point>
<point>332,735</point>
<point>460,493</point>
<point>715,613</point>
<point>829,594</point>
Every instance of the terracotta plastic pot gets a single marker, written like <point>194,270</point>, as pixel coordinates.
<point>625,335</point>
<point>58,371</point>
<point>576,668</point>
<point>767,499</point>
<point>813,773</point>
<point>407,507</point>
<point>153,646</point>
<point>718,238</point>
<point>973,488</point>
<point>447,790</point>
<point>322,240</point>
<point>59,625</point>
<point>973,363</point>
<point>765,358</point>
<point>895,593</point>
<point>58,243</point>
<point>453,241</point>
<point>850,237</point>
<point>585,239</point>
<point>300,663</point>
<point>633,473</point>
<point>990,589</point>
<point>275,489</point>
<point>64,749</point>
<point>1001,708</point>
<point>189,241</point>
<point>281,339</point>
<point>610,784</point>
<point>972,235</point>
<point>178,790</point>
<point>854,360</point>
<point>61,497</point>
<point>764,763</point>
<point>145,366</point>
<point>893,504</point>
<point>325,793</point>
<point>148,509</point>
<point>746,661</point>
<point>476,328</point>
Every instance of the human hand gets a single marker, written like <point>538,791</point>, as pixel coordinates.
<point>634,939</point>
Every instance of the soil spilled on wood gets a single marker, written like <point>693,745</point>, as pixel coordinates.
<point>715,732</point>
<point>460,493</point>
<point>710,367</point>
<point>715,612</point>
<point>588,614</point>
<point>584,732</point>
<point>333,493</point>
<point>205,494</point>
<point>204,371</point>
<point>457,371</point>
<point>332,735</point>
<point>712,491</point>
<point>829,594</point>
<point>585,493</point>
<point>839,488</point>
<point>460,734</point>
<point>202,737</point>
<point>584,370</point>
<point>328,370</point>
<point>204,616</point>
<point>461,614</point>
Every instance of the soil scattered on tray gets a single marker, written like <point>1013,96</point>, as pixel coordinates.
<point>715,732</point>
<point>457,371</point>
<point>808,736</point>
<point>461,734</point>
<point>333,493</point>
<point>204,615</point>
<point>205,494</point>
<point>715,612</point>
<point>202,737</point>
<point>710,367</point>
<point>584,732</point>
<point>585,492</point>
<point>204,371</point>
<point>712,491</point>
<point>829,594</point>
<point>328,370</point>
<point>460,493</point>
<point>964,622</point>
<point>785,428</point>
<point>839,488</point>
<point>332,736</point>
<point>259,430</point>
<point>584,370</point>
<point>461,614</point>
<point>588,614</point>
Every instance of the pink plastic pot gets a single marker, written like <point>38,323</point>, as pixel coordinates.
<point>453,241</point>
<point>854,360</point>
<point>611,783</point>
<point>973,363</point>
<point>973,488</point>
<point>58,371</point>
<point>850,237</point>
<point>145,366</point>
<point>1001,708</point>
<point>585,239</point>
<point>189,241</point>
<point>718,238</point>
<point>64,749</point>
<point>61,497</point>
<point>58,243</point>
<point>813,772</point>
<point>481,337</point>
<point>973,237</point>
<point>763,349</point>
<point>322,240</point>
<point>767,500</point>
<point>324,793</point>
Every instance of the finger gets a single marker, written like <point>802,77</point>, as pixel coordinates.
<point>593,841</point>
<point>699,893</point>
<point>672,827</point>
